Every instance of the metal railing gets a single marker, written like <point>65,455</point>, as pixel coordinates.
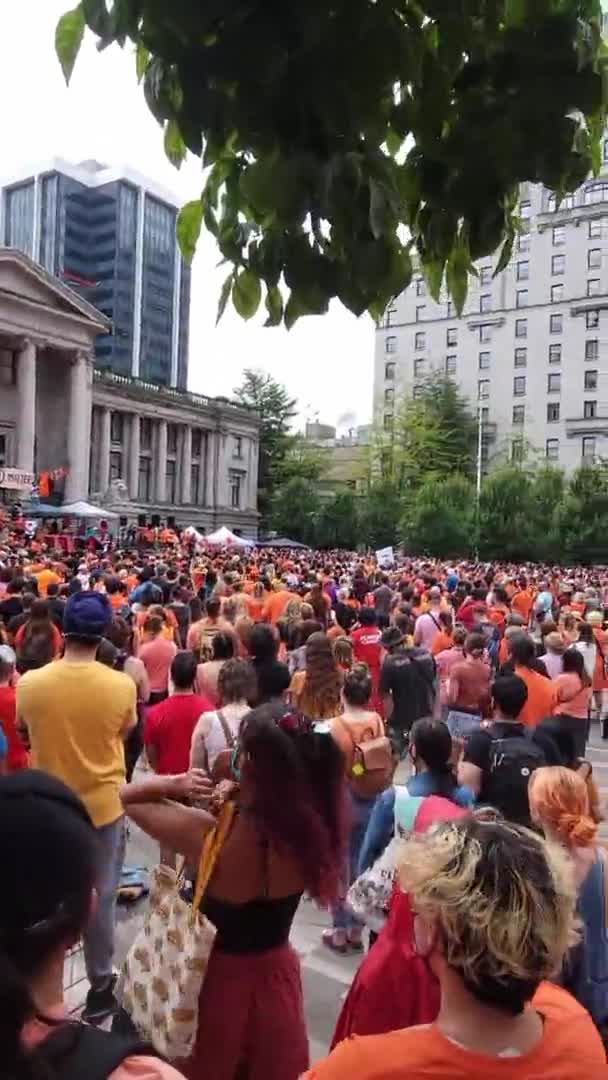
<point>167,393</point>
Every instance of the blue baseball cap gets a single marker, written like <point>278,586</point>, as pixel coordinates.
<point>87,614</point>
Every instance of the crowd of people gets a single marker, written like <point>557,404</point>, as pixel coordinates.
<point>404,745</point>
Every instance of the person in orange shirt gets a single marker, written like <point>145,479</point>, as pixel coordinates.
<point>277,601</point>
<point>522,601</point>
<point>494,913</point>
<point>541,692</point>
<point>444,639</point>
<point>45,577</point>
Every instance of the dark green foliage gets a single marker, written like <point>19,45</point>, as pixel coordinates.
<point>301,111</point>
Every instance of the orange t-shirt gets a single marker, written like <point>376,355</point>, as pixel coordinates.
<point>442,641</point>
<point>523,602</point>
<point>46,578</point>
<point>570,1049</point>
<point>275,605</point>
<point>541,696</point>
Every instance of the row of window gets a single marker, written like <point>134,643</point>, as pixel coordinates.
<point>554,383</point>
<point>556,324</point>
<point>520,359</point>
<point>594,288</point>
<point>117,435</point>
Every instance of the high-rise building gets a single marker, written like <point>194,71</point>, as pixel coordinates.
<point>110,235</point>
<point>531,349</point>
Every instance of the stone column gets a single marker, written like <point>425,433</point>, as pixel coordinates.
<point>105,431</point>
<point>79,429</point>
<point>161,462</point>
<point>134,440</point>
<point>26,405</point>
<point>186,489</point>
<point>211,464</point>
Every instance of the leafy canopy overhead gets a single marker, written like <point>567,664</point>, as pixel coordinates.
<point>334,129</point>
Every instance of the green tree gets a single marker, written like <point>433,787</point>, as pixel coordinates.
<point>435,434</point>
<point>583,516</point>
<point>505,509</point>
<point>340,136</point>
<point>259,391</point>
<point>338,522</point>
<point>295,509</point>
<point>380,513</point>
<point>440,519</point>
<point>546,495</point>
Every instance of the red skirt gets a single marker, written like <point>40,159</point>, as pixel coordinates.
<point>251,1019</point>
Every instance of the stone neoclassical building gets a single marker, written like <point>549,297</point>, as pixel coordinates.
<point>132,446</point>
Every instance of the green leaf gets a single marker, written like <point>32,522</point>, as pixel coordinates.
<point>294,310</point>
<point>457,274</point>
<point>142,59</point>
<point>246,294</point>
<point>274,306</point>
<point>224,296</point>
<point>433,275</point>
<point>68,39</point>
<point>515,12</point>
<point>175,147</point>
<point>188,228</point>
<point>378,209</point>
<point>505,255</point>
<point>97,18</point>
<point>394,142</point>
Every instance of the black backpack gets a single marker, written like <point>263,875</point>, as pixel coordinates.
<point>78,1051</point>
<point>512,762</point>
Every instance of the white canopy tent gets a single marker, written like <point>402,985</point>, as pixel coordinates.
<point>222,537</point>
<point>76,509</point>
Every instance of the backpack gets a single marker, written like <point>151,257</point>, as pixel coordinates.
<point>585,969</point>
<point>222,766</point>
<point>512,762</point>
<point>372,765</point>
<point>76,1050</point>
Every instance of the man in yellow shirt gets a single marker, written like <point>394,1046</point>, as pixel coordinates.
<point>78,713</point>
<point>45,577</point>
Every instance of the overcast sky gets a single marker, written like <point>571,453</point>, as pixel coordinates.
<point>326,362</point>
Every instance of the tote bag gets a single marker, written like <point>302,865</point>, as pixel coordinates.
<point>162,976</point>
<point>369,897</point>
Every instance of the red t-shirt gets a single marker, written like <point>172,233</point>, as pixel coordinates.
<point>169,727</point>
<point>17,756</point>
<point>367,648</point>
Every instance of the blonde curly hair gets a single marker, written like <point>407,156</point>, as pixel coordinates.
<point>503,900</point>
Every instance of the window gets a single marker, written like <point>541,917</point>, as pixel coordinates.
<point>558,264</point>
<point>521,328</point>
<point>592,349</point>
<point>523,270</point>
<point>197,442</point>
<point>171,481</point>
<point>483,389</point>
<point>552,449</point>
<point>417,390</point>
<point>555,354</point>
<point>485,303</point>
<point>592,319</point>
<point>236,481</point>
<point>390,316</point>
<point>589,410</point>
<point>593,287</point>
<point>485,332</point>
<point>238,446</point>
<point>596,193</point>
<point>145,433</point>
<point>171,438</point>
<point>452,336</point>
<point>559,235</point>
<point>591,380</point>
<point>557,294</point>
<point>594,258</point>
<point>389,396</point>
<point>521,358</point>
<point>519,385</point>
<point>450,365</point>
<point>485,275</point>
<point>420,287</point>
<point>525,210</point>
<point>115,465</point>
<point>588,449</point>
<point>555,324</point>
<point>521,298</point>
<point>389,371</point>
<point>554,383</point>
<point>419,368</point>
<point>519,414</point>
<point>144,481</point>
<point>390,345</point>
<point>450,310</point>
<point>596,228</point>
<point>195,475</point>
<point>523,242</point>
<point>553,408</point>
<point>484,361</point>
<point>116,427</point>
<point>420,310</point>
<point>517,450</point>
<point>420,340</point>
<point>388,421</point>
<point>485,414</point>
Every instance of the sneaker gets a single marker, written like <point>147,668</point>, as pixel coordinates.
<point>100,1003</point>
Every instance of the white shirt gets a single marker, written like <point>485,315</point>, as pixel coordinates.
<point>208,739</point>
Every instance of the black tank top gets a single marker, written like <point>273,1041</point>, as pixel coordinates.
<point>252,927</point>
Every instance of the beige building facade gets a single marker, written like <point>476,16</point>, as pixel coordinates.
<point>144,451</point>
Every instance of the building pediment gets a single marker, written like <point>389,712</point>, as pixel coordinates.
<point>25,282</point>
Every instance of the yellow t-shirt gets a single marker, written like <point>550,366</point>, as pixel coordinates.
<point>77,715</point>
